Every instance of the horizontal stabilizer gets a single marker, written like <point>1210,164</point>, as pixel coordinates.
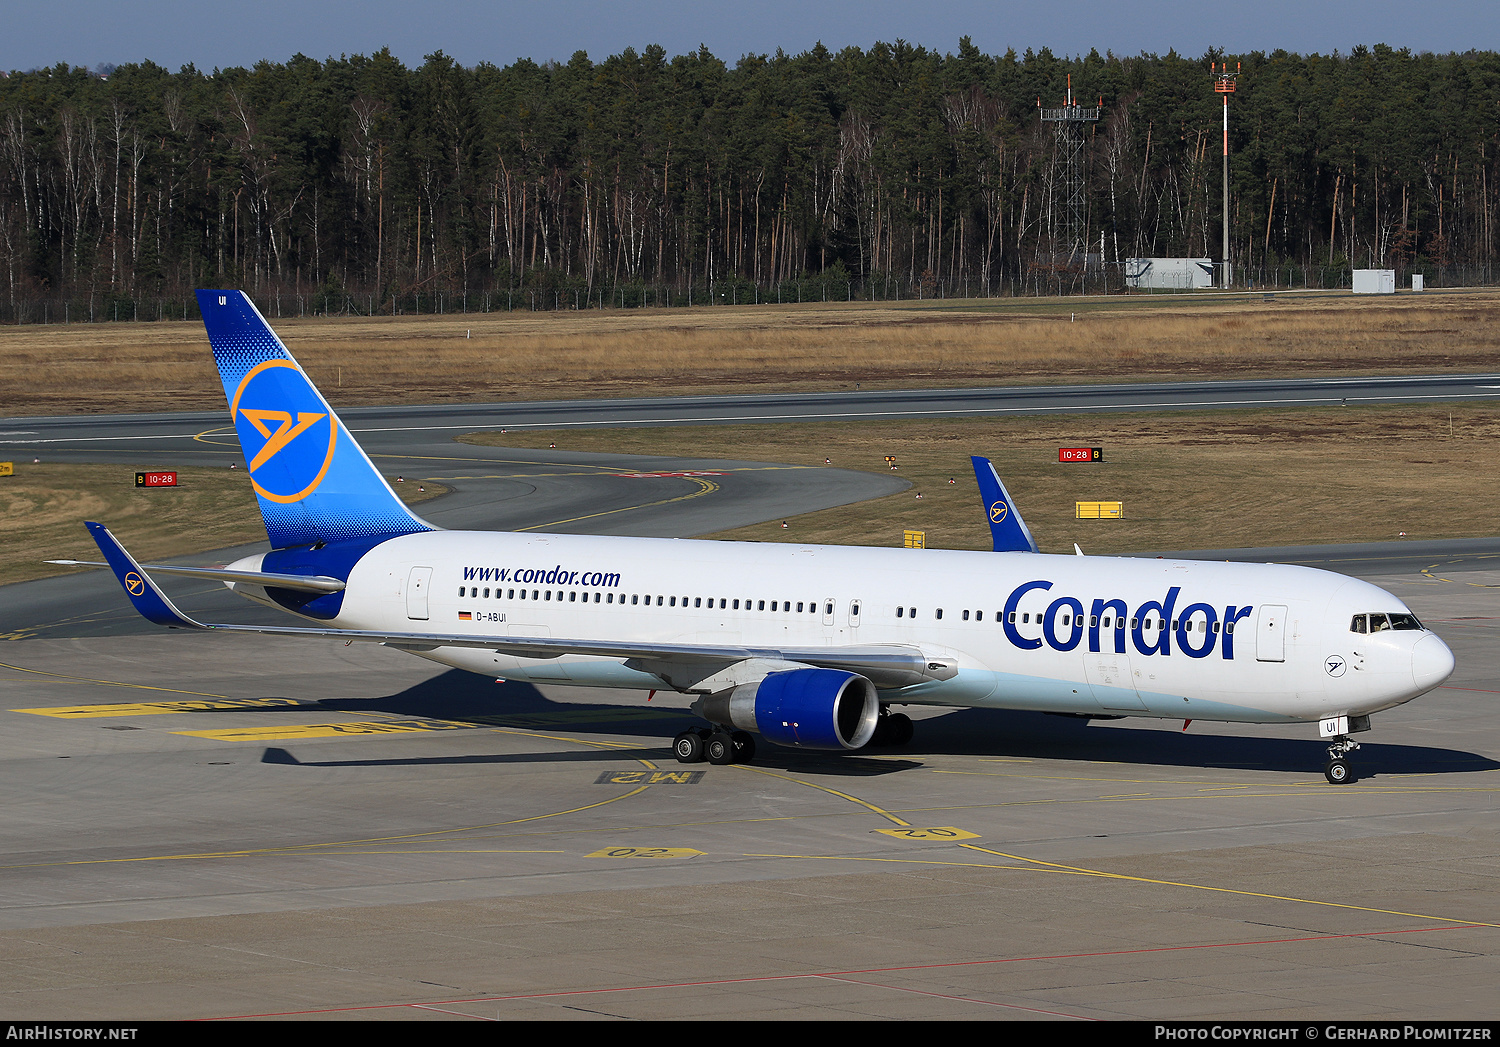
<point>303,583</point>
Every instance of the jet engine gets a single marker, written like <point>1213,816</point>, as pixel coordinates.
<point>811,708</point>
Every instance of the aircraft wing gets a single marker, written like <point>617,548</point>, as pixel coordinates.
<point>886,665</point>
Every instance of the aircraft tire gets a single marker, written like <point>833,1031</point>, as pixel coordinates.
<point>1338,772</point>
<point>688,747</point>
<point>720,749</point>
<point>744,746</point>
<point>900,728</point>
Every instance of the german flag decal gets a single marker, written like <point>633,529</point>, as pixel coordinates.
<point>465,616</point>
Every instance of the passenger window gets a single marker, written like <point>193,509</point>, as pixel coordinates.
<point>979,616</point>
<point>966,616</point>
<point>900,611</point>
<point>938,613</point>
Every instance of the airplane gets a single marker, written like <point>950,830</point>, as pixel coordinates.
<point>802,646</point>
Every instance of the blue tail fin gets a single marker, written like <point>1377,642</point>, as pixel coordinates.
<point>313,482</point>
<point>1009,531</point>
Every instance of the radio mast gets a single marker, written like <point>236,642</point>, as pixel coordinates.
<point>1224,84</point>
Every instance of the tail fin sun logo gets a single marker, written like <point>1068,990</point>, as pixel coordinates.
<point>285,430</point>
<point>998,511</point>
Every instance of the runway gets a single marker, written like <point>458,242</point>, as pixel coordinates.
<point>211,826</point>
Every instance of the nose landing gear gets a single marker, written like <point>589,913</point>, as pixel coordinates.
<point>1337,770</point>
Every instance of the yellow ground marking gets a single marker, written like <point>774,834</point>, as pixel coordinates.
<point>704,487</point>
<point>582,716</point>
<point>104,683</point>
<point>1035,865</point>
<point>1427,571</point>
<point>645,852</point>
<point>1227,792</point>
<point>823,788</point>
<point>949,833</point>
<point>326,847</point>
<point>657,777</point>
<point>324,730</point>
<point>85,712</point>
<point>1220,890</point>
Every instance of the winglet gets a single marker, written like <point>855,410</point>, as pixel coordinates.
<point>150,601</point>
<point>1008,530</point>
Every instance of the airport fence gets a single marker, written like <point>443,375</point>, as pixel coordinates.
<point>832,286</point>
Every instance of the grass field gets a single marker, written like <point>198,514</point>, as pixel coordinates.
<point>1189,480</point>
<point>1218,479</point>
<point>42,509</point>
<point>66,369</point>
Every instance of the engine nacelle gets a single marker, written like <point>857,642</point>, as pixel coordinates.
<point>810,708</point>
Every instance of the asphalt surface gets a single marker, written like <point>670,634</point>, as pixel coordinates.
<point>211,826</point>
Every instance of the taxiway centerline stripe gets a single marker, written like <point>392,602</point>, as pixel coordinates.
<point>823,788</point>
<point>106,683</point>
<point>1223,890</point>
<point>705,487</point>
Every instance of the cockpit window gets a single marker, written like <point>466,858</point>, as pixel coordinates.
<point>1377,623</point>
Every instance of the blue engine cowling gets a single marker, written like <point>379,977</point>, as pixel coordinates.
<point>810,708</point>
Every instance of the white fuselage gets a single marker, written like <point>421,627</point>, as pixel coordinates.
<point>1200,640</point>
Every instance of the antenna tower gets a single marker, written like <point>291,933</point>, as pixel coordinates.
<point>1224,83</point>
<point>1070,221</point>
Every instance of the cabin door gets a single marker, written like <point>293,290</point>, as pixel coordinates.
<point>417,584</point>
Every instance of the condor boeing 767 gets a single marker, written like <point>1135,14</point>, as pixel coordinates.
<point>805,646</point>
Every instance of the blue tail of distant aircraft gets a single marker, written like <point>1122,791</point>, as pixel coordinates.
<point>313,482</point>
<point>1007,529</point>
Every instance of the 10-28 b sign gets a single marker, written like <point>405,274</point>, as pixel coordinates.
<point>156,479</point>
<point>1080,454</point>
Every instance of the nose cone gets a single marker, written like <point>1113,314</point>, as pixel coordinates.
<point>1431,662</point>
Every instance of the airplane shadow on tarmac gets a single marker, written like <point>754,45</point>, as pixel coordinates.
<point>463,697</point>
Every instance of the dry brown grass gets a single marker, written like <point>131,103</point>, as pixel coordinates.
<point>42,509</point>
<point>508,356</point>
<point>1188,480</point>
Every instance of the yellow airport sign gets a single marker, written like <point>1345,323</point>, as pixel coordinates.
<point>1099,510</point>
<point>7,468</point>
<point>914,539</point>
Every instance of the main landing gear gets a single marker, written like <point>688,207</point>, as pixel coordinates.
<point>892,729</point>
<point>716,746</point>
<point>1337,770</point>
